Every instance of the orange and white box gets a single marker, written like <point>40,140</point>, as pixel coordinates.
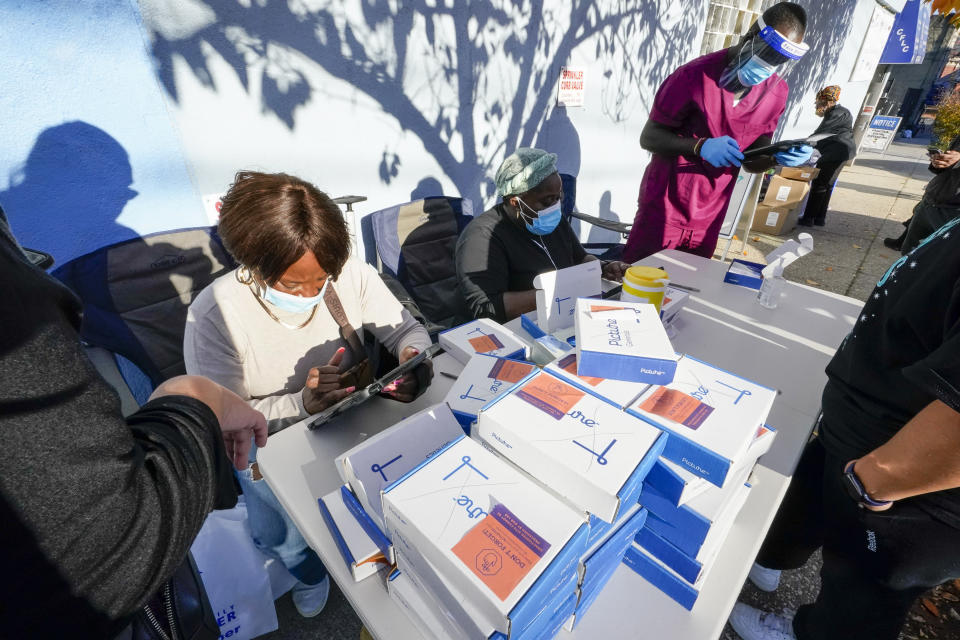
<point>509,546</point>
<point>483,336</point>
<point>579,445</point>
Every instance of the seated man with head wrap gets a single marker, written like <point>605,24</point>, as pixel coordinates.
<point>502,250</point>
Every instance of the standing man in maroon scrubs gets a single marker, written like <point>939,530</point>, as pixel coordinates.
<point>704,115</point>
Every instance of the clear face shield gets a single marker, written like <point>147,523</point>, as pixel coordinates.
<point>765,53</point>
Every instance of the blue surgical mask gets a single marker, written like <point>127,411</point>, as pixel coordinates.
<point>292,303</point>
<point>546,220</point>
<point>754,71</point>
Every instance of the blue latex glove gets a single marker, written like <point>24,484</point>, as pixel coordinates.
<point>795,156</point>
<point>721,152</point>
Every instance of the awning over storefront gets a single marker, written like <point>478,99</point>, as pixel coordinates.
<point>907,43</point>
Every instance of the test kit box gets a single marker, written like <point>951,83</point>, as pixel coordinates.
<point>581,446</point>
<point>362,545</point>
<point>662,577</point>
<point>378,461</point>
<point>507,545</point>
<point>744,273</point>
<point>690,566</point>
<point>605,555</point>
<point>775,219</point>
<point>782,192</point>
<point>623,341</point>
<point>482,336</point>
<point>679,485</point>
<point>619,392</point>
<point>483,379</point>
<point>806,174</point>
<point>712,417</point>
<point>673,300</point>
<point>429,619</point>
<point>687,527</point>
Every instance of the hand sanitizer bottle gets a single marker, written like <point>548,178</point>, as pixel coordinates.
<point>771,290</point>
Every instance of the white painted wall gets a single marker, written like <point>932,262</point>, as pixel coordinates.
<point>355,96</point>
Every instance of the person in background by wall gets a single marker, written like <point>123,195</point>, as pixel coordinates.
<point>503,249</point>
<point>705,114</point>
<point>835,151</point>
<point>878,489</point>
<point>97,510</point>
<point>940,203</point>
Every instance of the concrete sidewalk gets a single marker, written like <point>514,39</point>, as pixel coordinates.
<point>871,200</point>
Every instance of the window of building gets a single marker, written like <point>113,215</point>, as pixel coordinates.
<point>727,20</point>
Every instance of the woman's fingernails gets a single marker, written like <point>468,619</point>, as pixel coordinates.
<point>351,389</point>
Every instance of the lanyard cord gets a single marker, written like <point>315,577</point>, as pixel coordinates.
<point>544,247</point>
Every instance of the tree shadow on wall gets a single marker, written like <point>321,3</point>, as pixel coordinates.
<point>828,24</point>
<point>472,81</point>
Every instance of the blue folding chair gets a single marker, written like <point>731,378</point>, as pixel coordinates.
<point>413,246</point>
<point>135,296</point>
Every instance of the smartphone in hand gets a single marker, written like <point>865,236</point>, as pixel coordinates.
<point>934,151</point>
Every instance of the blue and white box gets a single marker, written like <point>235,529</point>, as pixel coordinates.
<point>712,417</point>
<point>425,614</point>
<point>603,558</point>
<point>381,459</point>
<point>507,545</point>
<point>680,485</point>
<point>662,577</point>
<point>483,379</point>
<point>687,527</point>
<point>483,336</point>
<point>579,445</point>
<point>623,341</point>
<point>690,567</point>
<point>619,392</point>
<point>744,273</point>
<point>363,546</point>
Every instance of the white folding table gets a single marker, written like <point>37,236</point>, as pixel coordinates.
<point>786,348</point>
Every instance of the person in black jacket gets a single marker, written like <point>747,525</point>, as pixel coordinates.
<point>835,151</point>
<point>97,511</point>
<point>940,203</point>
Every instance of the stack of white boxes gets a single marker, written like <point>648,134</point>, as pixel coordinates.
<point>716,421</point>
<point>513,533</point>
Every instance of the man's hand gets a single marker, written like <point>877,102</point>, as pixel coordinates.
<point>239,422</point>
<point>323,385</point>
<point>405,388</point>
<point>615,270</point>
<point>945,160</point>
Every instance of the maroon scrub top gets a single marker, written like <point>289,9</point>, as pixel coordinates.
<point>683,199</point>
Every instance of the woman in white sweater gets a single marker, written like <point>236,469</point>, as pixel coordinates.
<point>285,331</point>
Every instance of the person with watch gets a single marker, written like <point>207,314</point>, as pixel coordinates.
<point>704,116</point>
<point>878,489</point>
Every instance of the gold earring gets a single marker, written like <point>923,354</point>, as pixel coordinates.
<point>244,276</point>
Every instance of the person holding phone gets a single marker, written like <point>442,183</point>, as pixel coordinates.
<point>285,332</point>
<point>941,199</point>
<point>705,114</point>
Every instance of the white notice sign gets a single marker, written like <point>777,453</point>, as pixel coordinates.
<point>570,89</point>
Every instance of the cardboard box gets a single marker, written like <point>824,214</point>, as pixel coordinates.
<point>663,578</point>
<point>507,545</point>
<point>623,341</point>
<point>687,527</point>
<point>579,445</point>
<point>619,392</point>
<point>782,192</point>
<point>606,553</point>
<point>377,461</point>
<point>363,546</point>
<point>482,336</point>
<point>483,379</point>
<point>712,417</point>
<point>690,566</point>
<point>774,219</point>
<point>744,273</point>
<point>806,174</point>
<point>679,485</point>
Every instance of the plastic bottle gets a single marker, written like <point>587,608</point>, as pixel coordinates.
<point>771,290</point>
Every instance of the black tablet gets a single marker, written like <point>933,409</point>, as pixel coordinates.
<point>362,395</point>
<point>770,149</point>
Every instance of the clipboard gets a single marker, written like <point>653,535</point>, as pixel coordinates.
<point>362,395</point>
<point>784,145</point>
